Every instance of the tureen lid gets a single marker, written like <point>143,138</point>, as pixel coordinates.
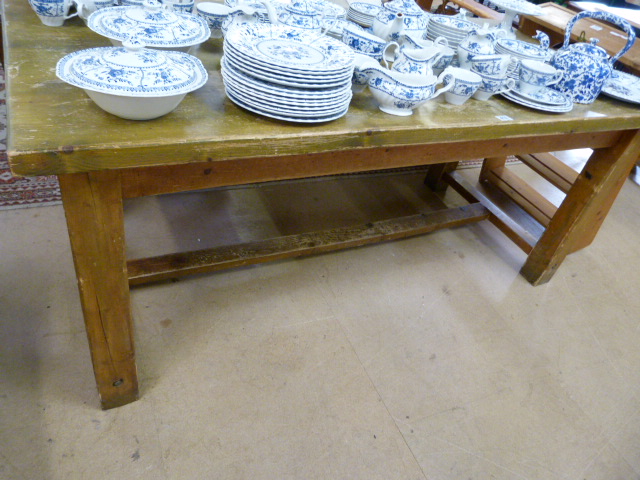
<point>132,71</point>
<point>407,7</point>
<point>152,24</point>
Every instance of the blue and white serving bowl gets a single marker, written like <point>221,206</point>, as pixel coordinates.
<point>153,25</point>
<point>131,81</point>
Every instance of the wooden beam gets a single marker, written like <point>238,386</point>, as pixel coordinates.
<point>174,265</point>
<point>524,238</point>
<point>552,169</point>
<point>529,199</point>
<point>584,208</point>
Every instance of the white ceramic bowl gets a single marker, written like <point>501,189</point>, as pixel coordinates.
<point>133,82</point>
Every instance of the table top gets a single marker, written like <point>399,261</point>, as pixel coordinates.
<point>55,128</point>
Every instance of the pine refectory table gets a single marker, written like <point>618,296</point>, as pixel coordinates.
<point>207,142</point>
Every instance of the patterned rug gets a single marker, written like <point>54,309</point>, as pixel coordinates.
<point>21,192</point>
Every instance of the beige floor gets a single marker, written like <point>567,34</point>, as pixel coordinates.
<point>427,358</point>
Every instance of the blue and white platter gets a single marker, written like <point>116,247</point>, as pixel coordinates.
<point>151,24</point>
<point>623,86</point>
<point>291,48</point>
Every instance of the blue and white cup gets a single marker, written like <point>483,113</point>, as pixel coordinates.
<point>52,13</point>
<point>369,44</point>
<point>214,14</point>
<point>495,65</point>
<point>131,3</point>
<point>493,85</point>
<point>87,7</point>
<point>535,76</point>
<point>465,84</point>
<point>179,6</point>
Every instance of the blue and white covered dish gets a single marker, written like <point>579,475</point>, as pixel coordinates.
<point>132,81</point>
<point>151,24</point>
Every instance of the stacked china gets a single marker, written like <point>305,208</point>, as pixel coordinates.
<point>287,73</point>
<point>363,13</point>
<point>454,29</point>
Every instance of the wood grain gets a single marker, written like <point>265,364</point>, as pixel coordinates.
<point>93,209</point>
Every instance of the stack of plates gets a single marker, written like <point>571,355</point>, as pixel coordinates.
<point>287,73</point>
<point>452,28</point>
<point>546,100</point>
<point>363,13</point>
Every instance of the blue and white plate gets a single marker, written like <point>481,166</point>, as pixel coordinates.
<point>283,116</point>
<point>279,79</point>
<point>290,47</point>
<point>546,95</point>
<point>623,86</point>
<point>536,105</point>
<point>294,94</point>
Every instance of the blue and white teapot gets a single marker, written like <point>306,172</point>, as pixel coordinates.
<point>585,66</point>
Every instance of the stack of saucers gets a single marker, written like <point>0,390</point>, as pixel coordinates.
<point>452,28</point>
<point>287,73</point>
<point>363,13</point>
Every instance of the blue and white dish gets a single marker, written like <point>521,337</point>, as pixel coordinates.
<point>521,49</point>
<point>545,95</point>
<point>151,24</point>
<point>290,47</point>
<point>623,86</point>
<point>284,117</point>
<point>545,107</point>
<point>293,95</point>
<point>288,81</point>
<point>132,81</point>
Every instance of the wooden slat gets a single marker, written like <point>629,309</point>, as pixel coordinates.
<point>552,169</point>
<point>531,201</point>
<point>174,265</point>
<point>524,238</point>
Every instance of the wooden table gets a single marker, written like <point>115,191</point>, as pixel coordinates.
<point>101,160</point>
<point>554,23</point>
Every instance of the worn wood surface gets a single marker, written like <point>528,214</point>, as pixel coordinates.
<point>93,208</point>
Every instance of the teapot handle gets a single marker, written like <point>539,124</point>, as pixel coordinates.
<point>607,17</point>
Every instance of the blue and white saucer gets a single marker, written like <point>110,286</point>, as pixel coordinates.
<point>623,86</point>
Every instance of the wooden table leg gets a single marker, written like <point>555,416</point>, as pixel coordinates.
<point>95,220</point>
<point>583,209</point>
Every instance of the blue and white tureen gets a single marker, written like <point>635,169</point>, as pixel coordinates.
<point>153,25</point>
<point>131,81</point>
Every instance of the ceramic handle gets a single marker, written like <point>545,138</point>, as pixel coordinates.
<point>607,17</point>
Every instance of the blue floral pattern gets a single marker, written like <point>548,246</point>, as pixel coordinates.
<point>587,67</point>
